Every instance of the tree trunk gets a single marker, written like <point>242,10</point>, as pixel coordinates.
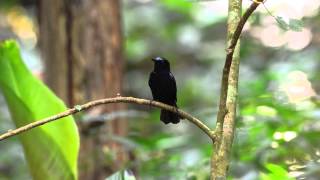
<point>52,25</point>
<point>81,44</point>
<point>102,50</point>
<point>225,127</point>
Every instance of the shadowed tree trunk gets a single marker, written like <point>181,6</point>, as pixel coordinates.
<point>53,44</point>
<point>102,46</point>
<point>81,44</point>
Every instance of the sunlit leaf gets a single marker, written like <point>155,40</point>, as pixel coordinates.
<point>282,23</point>
<point>51,150</point>
<point>171,142</point>
<point>295,25</point>
<point>266,111</point>
<point>183,6</point>
<point>276,173</point>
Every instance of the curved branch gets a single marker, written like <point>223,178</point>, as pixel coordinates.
<point>91,104</point>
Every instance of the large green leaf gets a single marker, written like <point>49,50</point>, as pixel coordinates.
<point>52,149</point>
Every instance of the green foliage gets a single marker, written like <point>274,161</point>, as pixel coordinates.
<point>282,23</point>
<point>263,111</point>
<point>4,5</point>
<point>182,6</point>
<point>293,24</point>
<point>276,173</point>
<point>155,28</point>
<point>52,149</point>
<point>276,131</point>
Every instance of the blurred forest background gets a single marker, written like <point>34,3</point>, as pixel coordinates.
<point>86,50</point>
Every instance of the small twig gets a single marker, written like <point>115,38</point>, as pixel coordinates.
<point>265,7</point>
<point>91,104</point>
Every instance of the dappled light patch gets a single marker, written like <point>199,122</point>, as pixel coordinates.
<point>297,87</point>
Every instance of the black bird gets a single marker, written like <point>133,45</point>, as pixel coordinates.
<point>164,89</point>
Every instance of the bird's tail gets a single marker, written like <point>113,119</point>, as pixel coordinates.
<point>169,117</point>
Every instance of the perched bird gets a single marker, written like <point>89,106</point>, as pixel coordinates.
<point>164,89</point>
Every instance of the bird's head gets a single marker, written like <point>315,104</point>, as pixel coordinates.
<point>161,64</point>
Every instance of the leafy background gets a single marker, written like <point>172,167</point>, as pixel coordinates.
<point>278,117</point>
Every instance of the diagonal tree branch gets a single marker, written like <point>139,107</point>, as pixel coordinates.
<point>91,104</point>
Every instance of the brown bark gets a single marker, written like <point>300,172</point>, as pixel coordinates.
<point>52,42</point>
<point>81,44</point>
<point>102,51</point>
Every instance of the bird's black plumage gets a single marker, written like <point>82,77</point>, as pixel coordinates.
<point>164,89</point>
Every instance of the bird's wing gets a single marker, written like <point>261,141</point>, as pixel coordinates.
<point>150,82</point>
<point>167,88</point>
<point>173,85</point>
<point>153,86</point>
<point>163,87</point>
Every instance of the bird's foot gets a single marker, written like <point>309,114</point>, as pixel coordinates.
<point>177,112</point>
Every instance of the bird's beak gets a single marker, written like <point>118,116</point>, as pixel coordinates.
<point>153,59</point>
